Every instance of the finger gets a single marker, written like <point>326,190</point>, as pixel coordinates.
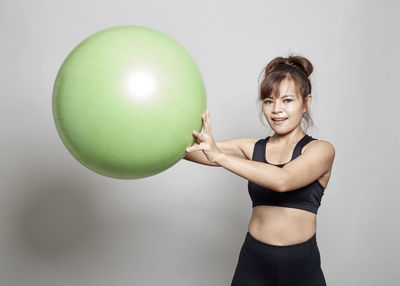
<point>196,147</point>
<point>198,136</point>
<point>195,133</point>
<point>206,121</point>
<point>193,148</point>
<point>190,149</point>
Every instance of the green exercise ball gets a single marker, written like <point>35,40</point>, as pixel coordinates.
<point>126,100</point>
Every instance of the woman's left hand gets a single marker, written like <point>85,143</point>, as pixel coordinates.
<point>205,141</point>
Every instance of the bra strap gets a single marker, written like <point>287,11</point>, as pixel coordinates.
<point>299,147</point>
<point>258,151</point>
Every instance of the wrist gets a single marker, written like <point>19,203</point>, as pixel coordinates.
<point>221,157</point>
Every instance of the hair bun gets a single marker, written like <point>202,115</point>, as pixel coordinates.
<point>298,62</point>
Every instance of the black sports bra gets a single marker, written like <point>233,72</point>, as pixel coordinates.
<point>306,198</point>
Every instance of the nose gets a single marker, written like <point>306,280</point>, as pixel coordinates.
<point>276,107</point>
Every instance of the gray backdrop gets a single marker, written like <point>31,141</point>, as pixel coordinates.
<point>62,224</point>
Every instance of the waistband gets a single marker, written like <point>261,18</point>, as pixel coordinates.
<point>310,242</point>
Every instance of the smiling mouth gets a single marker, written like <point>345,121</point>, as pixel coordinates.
<point>281,119</point>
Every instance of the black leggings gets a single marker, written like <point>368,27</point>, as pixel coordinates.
<point>262,264</point>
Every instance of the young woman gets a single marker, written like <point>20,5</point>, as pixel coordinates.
<point>287,174</point>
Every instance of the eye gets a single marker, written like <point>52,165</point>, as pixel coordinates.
<point>267,101</point>
<point>288,99</point>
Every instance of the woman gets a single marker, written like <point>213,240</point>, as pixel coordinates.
<point>287,174</point>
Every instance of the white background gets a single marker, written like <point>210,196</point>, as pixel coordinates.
<point>62,224</point>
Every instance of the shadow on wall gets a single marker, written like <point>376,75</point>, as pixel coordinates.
<point>58,216</point>
<point>73,226</point>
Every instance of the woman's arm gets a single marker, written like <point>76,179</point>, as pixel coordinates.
<point>199,157</point>
<point>238,147</point>
<point>308,167</point>
<point>316,161</point>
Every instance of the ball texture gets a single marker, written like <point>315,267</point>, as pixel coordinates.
<point>126,100</point>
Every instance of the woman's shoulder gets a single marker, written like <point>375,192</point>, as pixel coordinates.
<point>247,146</point>
<point>320,145</point>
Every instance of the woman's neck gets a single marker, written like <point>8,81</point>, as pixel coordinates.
<point>289,138</point>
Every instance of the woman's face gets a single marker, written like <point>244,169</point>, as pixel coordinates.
<point>284,113</point>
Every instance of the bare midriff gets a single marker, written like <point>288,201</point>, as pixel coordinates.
<point>282,226</point>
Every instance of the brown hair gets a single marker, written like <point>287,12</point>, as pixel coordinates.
<point>294,68</point>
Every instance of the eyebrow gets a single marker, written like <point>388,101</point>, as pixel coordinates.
<point>286,95</point>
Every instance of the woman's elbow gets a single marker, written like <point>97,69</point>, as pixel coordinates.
<point>282,185</point>
<point>281,188</point>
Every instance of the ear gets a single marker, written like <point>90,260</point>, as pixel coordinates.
<point>307,103</point>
